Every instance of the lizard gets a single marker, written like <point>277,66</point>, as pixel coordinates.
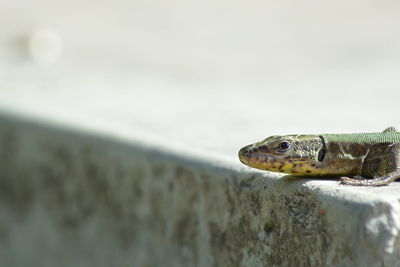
<point>364,159</point>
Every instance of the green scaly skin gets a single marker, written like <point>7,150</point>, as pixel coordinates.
<point>369,158</point>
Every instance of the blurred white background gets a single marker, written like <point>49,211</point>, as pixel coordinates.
<point>210,74</point>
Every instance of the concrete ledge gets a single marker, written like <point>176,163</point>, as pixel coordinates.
<point>69,198</point>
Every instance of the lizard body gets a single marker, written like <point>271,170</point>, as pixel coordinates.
<point>374,158</point>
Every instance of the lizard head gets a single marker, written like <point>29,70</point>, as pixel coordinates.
<point>293,154</point>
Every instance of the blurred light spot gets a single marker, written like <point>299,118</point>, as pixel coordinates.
<point>45,46</point>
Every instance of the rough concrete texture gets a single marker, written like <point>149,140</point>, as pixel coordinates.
<point>79,199</point>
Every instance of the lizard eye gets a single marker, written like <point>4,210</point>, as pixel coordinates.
<point>284,145</point>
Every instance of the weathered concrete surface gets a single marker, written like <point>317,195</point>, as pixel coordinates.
<point>69,198</point>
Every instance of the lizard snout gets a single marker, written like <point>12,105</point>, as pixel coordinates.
<point>245,154</point>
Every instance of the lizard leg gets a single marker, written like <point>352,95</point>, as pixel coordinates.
<point>381,180</point>
<point>382,161</point>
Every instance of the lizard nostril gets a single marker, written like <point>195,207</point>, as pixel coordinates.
<point>245,151</point>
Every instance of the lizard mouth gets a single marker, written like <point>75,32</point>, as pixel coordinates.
<point>250,156</point>
<point>245,154</point>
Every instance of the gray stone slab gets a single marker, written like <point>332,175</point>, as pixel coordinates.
<point>79,198</point>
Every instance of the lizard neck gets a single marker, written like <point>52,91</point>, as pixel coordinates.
<point>342,157</point>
